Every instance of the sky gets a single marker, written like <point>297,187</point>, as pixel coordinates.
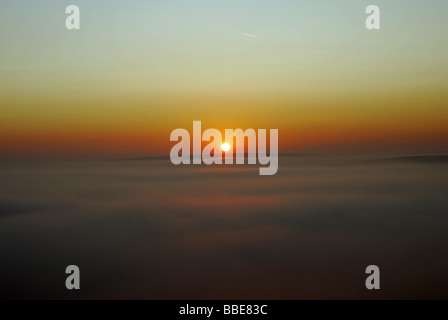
<point>136,70</point>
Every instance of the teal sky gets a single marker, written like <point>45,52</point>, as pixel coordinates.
<point>199,45</point>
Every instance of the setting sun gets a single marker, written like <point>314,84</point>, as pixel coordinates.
<point>225,147</point>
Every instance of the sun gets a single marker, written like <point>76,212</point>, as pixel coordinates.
<point>225,147</point>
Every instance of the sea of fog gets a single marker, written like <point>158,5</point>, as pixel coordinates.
<point>147,229</point>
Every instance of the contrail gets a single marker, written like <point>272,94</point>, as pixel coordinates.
<point>249,35</point>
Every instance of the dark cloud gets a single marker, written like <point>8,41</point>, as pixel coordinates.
<point>13,208</point>
<point>148,229</point>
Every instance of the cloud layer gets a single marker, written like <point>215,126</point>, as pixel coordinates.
<point>148,229</point>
